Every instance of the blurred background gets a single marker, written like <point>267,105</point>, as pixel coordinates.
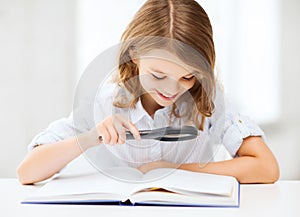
<point>45,45</point>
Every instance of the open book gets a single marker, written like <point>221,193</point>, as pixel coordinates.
<point>128,186</point>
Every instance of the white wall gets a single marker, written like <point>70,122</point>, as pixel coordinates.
<point>36,66</point>
<point>100,26</point>
<point>284,136</point>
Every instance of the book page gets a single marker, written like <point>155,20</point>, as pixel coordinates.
<point>165,197</point>
<point>125,174</point>
<point>93,183</point>
<point>185,181</point>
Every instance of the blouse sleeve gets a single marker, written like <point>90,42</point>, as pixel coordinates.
<point>77,122</point>
<point>235,126</point>
<point>84,117</point>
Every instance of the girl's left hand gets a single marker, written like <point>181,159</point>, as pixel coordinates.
<point>157,164</point>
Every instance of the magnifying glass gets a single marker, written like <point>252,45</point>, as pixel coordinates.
<point>167,134</point>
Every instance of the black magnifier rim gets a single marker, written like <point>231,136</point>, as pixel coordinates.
<point>167,134</point>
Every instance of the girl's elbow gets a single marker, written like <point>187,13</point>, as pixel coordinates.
<point>275,174</point>
<point>22,175</point>
<point>272,172</point>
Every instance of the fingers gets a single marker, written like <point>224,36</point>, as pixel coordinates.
<point>113,130</point>
<point>113,135</point>
<point>121,133</point>
<point>131,127</point>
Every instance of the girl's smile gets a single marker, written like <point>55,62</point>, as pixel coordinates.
<point>166,97</point>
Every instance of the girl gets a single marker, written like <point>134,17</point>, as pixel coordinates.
<point>165,77</point>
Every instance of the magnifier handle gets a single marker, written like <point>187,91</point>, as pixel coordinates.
<point>147,134</point>
<point>163,133</point>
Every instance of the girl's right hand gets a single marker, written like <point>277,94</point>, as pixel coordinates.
<point>112,130</point>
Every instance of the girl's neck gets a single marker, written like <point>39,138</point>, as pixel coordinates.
<point>149,104</point>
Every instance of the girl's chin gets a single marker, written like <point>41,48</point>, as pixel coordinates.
<point>164,104</point>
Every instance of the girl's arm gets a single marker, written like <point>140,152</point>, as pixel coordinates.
<point>47,159</point>
<point>255,164</point>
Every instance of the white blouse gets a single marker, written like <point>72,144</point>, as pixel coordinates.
<point>225,128</point>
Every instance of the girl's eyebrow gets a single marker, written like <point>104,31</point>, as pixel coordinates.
<point>158,71</point>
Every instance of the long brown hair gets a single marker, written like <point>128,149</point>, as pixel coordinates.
<point>182,27</point>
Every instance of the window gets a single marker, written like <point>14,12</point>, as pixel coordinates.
<point>246,35</point>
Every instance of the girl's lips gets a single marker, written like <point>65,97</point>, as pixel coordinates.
<point>166,97</point>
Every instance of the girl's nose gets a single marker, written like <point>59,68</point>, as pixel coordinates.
<point>172,87</point>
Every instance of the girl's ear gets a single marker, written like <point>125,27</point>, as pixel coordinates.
<point>133,57</point>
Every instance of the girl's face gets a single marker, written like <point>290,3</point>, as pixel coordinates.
<point>164,77</point>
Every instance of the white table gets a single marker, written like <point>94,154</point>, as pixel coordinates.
<point>279,199</point>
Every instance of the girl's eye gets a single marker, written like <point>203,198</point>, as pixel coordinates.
<point>188,79</point>
<point>158,78</point>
